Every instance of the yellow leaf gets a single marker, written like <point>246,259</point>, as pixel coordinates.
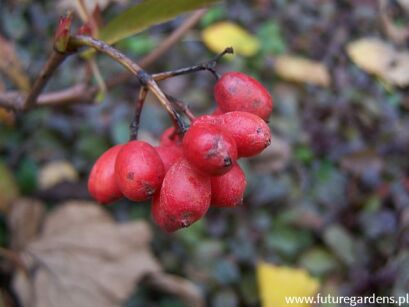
<point>303,70</point>
<point>370,54</point>
<point>380,58</point>
<point>226,34</point>
<point>56,172</point>
<point>278,282</point>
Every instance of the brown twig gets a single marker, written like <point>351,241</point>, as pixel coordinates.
<point>144,78</point>
<point>182,106</point>
<point>79,93</point>
<point>52,64</point>
<point>210,65</point>
<point>134,127</point>
<point>172,39</point>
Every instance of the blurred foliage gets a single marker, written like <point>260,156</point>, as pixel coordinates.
<point>339,206</point>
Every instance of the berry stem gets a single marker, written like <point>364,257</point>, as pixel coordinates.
<point>146,80</point>
<point>182,106</point>
<point>209,66</point>
<point>134,127</point>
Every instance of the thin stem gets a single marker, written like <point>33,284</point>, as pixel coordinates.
<point>77,41</point>
<point>134,127</point>
<point>209,66</point>
<point>80,93</point>
<point>178,121</point>
<point>182,106</point>
<point>52,64</point>
<point>144,78</point>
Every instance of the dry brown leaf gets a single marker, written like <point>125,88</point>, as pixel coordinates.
<point>10,65</point>
<point>24,221</point>
<point>274,158</point>
<point>56,172</point>
<point>298,69</point>
<point>84,258</point>
<point>378,57</point>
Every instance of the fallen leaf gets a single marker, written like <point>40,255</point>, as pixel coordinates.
<point>83,258</point>
<point>56,172</point>
<point>274,158</point>
<point>227,34</point>
<point>298,69</point>
<point>380,58</point>
<point>8,188</point>
<point>24,222</point>
<point>278,282</point>
<point>11,66</point>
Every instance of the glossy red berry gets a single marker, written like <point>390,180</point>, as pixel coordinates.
<point>207,119</point>
<point>251,133</point>
<point>236,91</point>
<point>228,189</point>
<point>160,218</point>
<point>184,197</point>
<point>139,170</point>
<point>170,137</point>
<point>169,154</point>
<point>209,149</point>
<point>101,183</point>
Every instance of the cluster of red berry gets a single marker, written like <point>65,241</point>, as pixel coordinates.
<point>187,173</point>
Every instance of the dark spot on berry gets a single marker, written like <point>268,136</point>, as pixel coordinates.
<point>227,161</point>
<point>232,89</point>
<point>130,175</point>
<point>256,103</point>
<point>259,130</point>
<point>185,223</point>
<point>185,219</point>
<point>149,190</point>
<point>268,142</point>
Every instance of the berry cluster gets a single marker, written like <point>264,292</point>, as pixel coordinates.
<point>188,172</point>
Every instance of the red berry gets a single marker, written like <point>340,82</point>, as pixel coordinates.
<point>139,170</point>
<point>228,190</point>
<point>207,119</point>
<point>101,183</point>
<point>169,154</point>
<point>160,218</point>
<point>209,149</point>
<point>236,91</point>
<point>251,133</point>
<point>170,137</point>
<point>184,197</point>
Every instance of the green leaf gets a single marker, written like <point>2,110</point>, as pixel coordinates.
<point>146,14</point>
